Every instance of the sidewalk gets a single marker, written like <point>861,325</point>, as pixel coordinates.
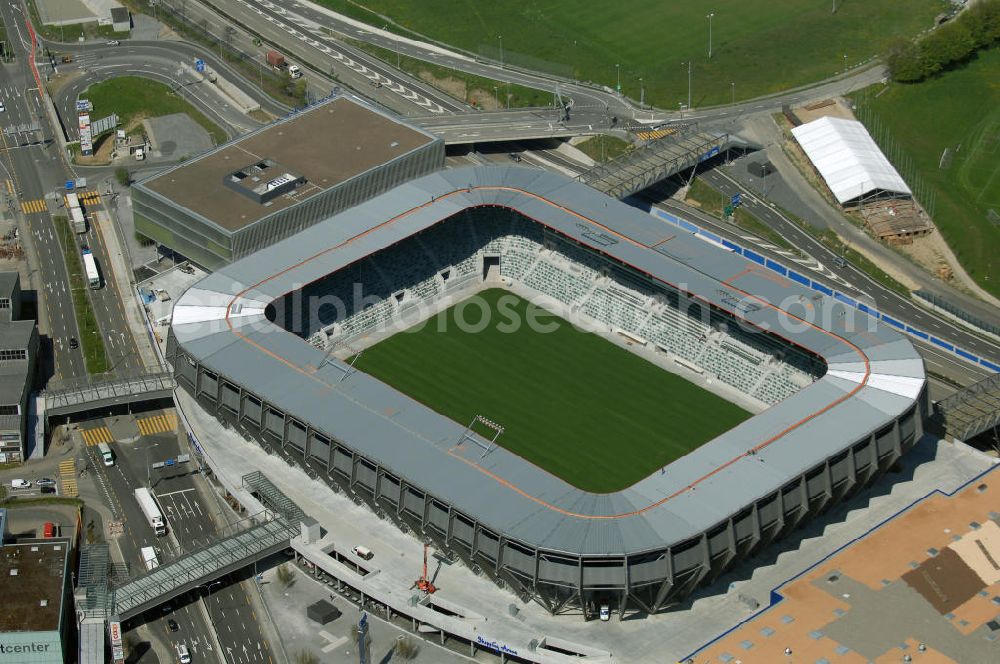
<point>334,641</point>
<point>122,273</point>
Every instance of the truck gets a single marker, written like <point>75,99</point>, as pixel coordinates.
<point>90,267</point>
<point>154,517</point>
<point>275,59</point>
<point>76,215</point>
<point>278,63</point>
<point>149,558</point>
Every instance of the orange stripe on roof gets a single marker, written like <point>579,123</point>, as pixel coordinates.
<point>310,372</point>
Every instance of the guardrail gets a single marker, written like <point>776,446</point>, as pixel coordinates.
<point>821,287</point>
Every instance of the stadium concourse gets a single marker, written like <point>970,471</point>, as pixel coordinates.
<point>844,395</point>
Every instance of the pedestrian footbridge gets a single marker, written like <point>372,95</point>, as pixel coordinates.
<point>200,567</point>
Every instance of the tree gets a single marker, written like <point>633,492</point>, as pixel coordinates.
<point>306,657</point>
<point>285,575</point>
<point>123,176</point>
<point>983,21</point>
<point>297,89</point>
<point>904,62</point>
<point>406,648</point>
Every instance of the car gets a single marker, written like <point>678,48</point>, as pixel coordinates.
<point>172,625</point>
<point>74,343</point>
<point>112,42</point>
<point>514,156</point>
<point>166,608</point>
<point>20,484</point>
<point>839,261</point>
<point>48,489</point>
<point>605,613</point>
<point>183,656</point>
<point>45,481</point>
<point>2,107</point>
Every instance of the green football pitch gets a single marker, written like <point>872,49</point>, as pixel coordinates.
<point>576,405</point>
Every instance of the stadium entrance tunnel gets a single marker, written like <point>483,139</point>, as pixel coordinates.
<point>570,550</point>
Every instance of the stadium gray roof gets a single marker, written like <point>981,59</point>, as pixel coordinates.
<point>874,374</point>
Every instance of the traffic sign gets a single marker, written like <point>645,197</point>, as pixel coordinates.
<point>69,185</point>
<point>199,65</point>
<point>736,199</point>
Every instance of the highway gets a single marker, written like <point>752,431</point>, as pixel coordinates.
<point>325,58</point>
<point>25,191</point>
<point>160,65</point>
<point>191,523</point>
<point>887,301</point>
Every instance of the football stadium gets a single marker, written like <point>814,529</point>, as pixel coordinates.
<point>584,404</point>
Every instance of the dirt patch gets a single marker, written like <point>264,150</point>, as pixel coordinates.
<point>945,581</point>
<point>835,108</point>
<point>459,89</point>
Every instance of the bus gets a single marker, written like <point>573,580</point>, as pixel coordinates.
<point>90,265</point>
<point>107,456</point>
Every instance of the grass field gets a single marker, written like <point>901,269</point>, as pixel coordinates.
<point>134,97</point>
<point>91,341</point>
<point>572,403</point>
<point>959,110</point>
<point>762,47</point>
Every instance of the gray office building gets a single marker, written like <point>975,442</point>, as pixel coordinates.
<point>18,350</point>
<point>272,183</point>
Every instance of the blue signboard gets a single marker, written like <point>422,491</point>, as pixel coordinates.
<point>69,185</point>
<point>199,65</point>
<point>736,199</point>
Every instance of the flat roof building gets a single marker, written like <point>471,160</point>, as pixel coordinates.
<point>34,620</point>
<point>262,187</point>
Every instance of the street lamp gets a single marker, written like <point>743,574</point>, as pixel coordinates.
<point>732,87</point>
<point>148,447</point>
<point>642,94</point>
<point>500,37</point>
<point>845,62</point>
<point>496,97</point>
<point>709,17</point>
<point>208,606</point>
<point>618,73</point>
<point>688,63</point>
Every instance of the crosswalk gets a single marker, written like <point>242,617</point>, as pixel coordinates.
<point>35,206</point>
<point>97,436</point>
<point>655,133</point>
<point>67,478</point>
<point>10,187</point>
<point>89,197</point>
<point>157,424</point>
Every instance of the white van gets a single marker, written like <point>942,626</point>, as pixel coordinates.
<point>183,656</point>
<point>25,484</point>
<point>363,553</point>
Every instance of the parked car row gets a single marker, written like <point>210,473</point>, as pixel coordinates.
<point>44,483</point>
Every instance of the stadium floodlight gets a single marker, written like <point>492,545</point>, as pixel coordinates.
<point>470,434</point>
<point>351,358</point>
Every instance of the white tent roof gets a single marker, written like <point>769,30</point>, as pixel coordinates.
<point>848,159</point>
